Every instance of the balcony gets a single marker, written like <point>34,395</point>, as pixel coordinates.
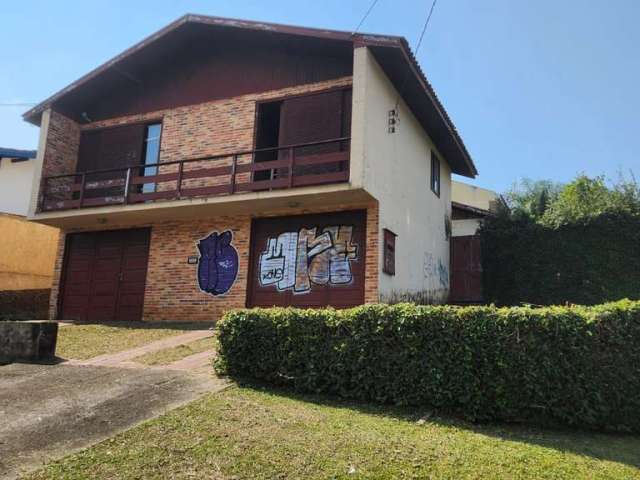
<point>284,167</point>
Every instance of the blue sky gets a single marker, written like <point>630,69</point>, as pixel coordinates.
<point>540,89</point>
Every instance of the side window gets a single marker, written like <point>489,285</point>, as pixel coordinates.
<point>389,261</point>
<point>435,174</point>
<point>151,154</point>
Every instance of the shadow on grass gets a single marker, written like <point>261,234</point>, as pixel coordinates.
<point>186,326</point>
<point>615,447</point>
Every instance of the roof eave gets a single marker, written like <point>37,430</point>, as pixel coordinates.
<point>464,164</point>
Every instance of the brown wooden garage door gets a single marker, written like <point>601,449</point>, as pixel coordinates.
<point>308,260</point>
<point>466,270</point>
<point>104,275</point>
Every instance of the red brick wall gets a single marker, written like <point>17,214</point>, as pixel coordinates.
<point>214,128</point>
<point>60,152</point>
<point>208,129</point>
<point>172,291</point>
<point>61,148</point>
<point>371,294</point>
<point>57,273</point>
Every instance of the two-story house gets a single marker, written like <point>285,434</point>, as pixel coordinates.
<point>223,163</point>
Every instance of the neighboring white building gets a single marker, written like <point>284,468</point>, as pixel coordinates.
<point>470,204</point>
<point>16,177</point>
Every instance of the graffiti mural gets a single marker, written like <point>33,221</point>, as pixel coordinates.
<point>443,274</point>
<point>218,263</point>
<point>296,260</point>
<point>432,269</point>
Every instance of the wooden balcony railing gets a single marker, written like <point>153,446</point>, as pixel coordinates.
<point>314,163</point>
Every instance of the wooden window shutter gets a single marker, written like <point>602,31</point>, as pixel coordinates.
<point>111,148</point>
<point>389,259</point>
<point>311,118</point>
<point>89,150</point>
<point>117,147</point>
<point>122,146</point>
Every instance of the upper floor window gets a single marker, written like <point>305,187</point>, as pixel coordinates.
<point>151,153</point>
<point>435,174</point>
<point>105,154</point>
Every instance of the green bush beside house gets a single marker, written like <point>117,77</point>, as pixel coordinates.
<point>587,263</point>
<point>578,366</point>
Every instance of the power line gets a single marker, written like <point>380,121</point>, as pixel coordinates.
<point>424,29</point>
<point>373,4</point>
<point>415,50</point>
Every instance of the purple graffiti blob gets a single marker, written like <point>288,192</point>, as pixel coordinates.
<point>218,265</point>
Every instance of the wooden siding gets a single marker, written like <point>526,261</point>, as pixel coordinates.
<point>209,66</point>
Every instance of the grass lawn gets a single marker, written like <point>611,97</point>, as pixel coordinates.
<point>164,357</point>
<point>85,341</point>
<point>244,433</point>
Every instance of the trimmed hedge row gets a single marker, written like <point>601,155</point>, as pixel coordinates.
<point>579,366</point>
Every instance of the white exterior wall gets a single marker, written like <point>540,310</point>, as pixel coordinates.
<point>465,227</point>
<point>473,196</point>
<point>395,168</point>
<point>15,186</point>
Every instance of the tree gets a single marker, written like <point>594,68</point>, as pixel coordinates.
<point>587,198</point>
<point>529,199</point>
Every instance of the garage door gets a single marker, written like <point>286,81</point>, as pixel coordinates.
<point>104,275</point>
<point>308,260</point>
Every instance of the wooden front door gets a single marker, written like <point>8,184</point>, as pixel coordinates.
<point>466,270</point>
<point>104,275</point>
<point>308,260</point>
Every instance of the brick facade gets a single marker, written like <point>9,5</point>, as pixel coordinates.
<point>172,291</point>
<point>61,149</point>
<point>60,154</point>
<point>208,129</point>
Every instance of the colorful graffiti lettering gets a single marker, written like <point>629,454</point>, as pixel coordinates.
<point>218,263</point>
<point>295,260</point>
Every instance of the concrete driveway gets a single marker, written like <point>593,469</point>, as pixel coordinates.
<point>48,411</point>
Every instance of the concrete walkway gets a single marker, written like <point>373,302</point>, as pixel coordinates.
<point>194,362</point>
<point>113,359</point>
<point>48,411</point>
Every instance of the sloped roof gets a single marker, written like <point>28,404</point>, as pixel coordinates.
<point>468,208</point>
<point>15,153</point>
<point>392,53</point>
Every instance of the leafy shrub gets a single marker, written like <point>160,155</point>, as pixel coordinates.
<point>589,262</point>
<point>575,365</point>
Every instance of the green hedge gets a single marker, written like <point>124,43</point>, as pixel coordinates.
<point>574,365</point>
<point>585,263</point>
